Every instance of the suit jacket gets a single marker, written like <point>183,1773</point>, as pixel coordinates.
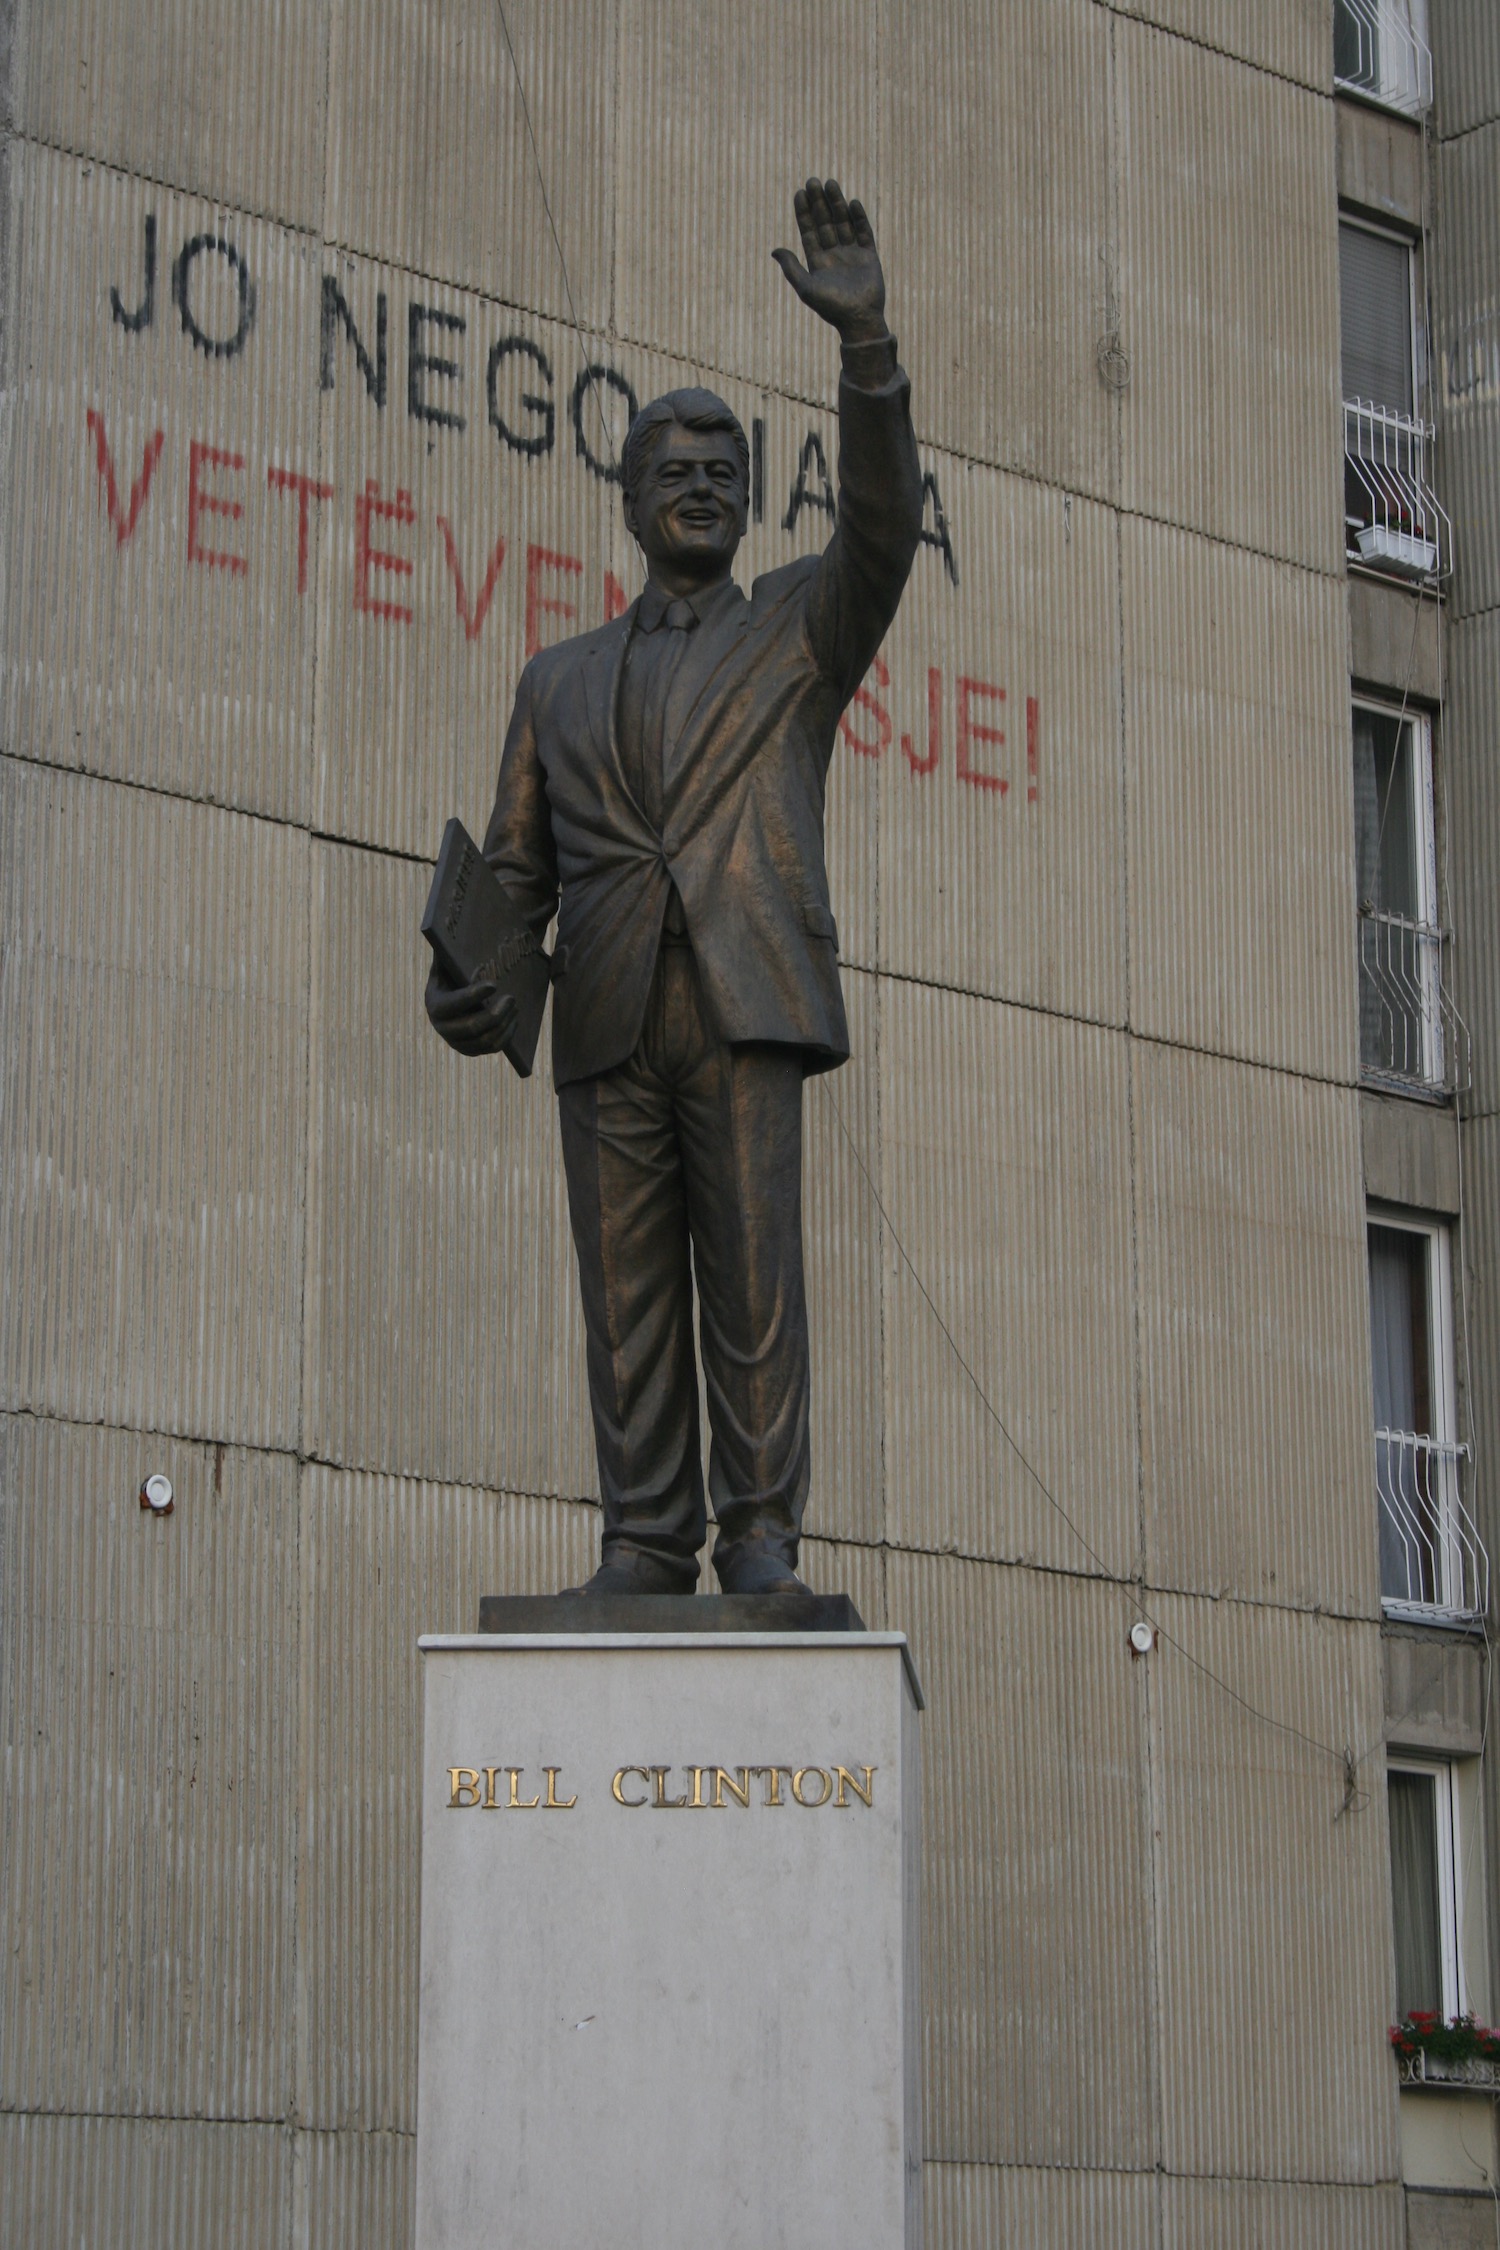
<point>749,730</point>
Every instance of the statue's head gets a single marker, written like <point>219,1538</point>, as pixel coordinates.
<point>685,473</point>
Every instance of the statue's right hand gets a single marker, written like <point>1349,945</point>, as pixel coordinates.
<point>476,1019</point>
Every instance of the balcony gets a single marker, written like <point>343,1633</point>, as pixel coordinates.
<point>1379,52</point>
<point>1392,517</point>
<point>1433,1566</point>
<point>1411,1037</point>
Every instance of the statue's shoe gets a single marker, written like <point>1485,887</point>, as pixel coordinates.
<point>630,1578</point>
<point>758,1573</point>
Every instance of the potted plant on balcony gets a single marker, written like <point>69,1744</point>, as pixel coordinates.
<point>1462,2052</point>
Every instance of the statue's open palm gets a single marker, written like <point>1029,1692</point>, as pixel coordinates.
<point>842,280</point>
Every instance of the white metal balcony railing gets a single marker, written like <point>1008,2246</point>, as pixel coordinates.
<point>1379,51</point>
<point>1409,1030</point>
<point>1433,1565</point>
<point>1393,518</point>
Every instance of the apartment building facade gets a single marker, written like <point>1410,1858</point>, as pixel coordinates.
<point>1154,1227</point>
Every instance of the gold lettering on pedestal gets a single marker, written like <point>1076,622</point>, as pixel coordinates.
<point>846,1780</point>
<point>634,1803</point>
<point>519,1803</point>
<point>738,1790</point>
<point>491,1801</point>
<point>464,1781</point>
<point>554,1802</point>
<point>772,1777</point>
<point>661,1801</point>
<point>800,1776</point>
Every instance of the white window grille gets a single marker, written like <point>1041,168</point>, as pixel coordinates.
<point>1433,1564</point>
<point>1393,519</point>
<point>1380,50</point>
<point>1410,1034</point>
<point>1392,516</point>
<point>1421,1801</point>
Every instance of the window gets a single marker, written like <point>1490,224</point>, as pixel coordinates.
<point>1408,1035</point>
<point>1375,301</point>
<point>1392,518</point>
<point>1432,1565</point>
<point>1424,1887</point>
<point>1380,50</point>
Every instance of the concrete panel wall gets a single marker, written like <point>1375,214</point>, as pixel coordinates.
<point>69,2180</point>
<point>1037,1972</point>
<point>1241,804</point>
<point>1244,2215</point>
<point>155,981</point>
<point>1001,864</point>
<point>1466,64</point>
<point>1229,289</point>
<point>150,1709</point>
<point>1288,38</point>
<point>208,691</point>
<point>1006,1141</point>
<point>1469,743</point>
<point>1468,360</point>
<point>227,102</point>
<point>443,1336</point>
<point>1089,837</point>
<point>995,161</point>
<point>990,2206</point>
<point>774,94</point>
<point>1269,1891</point>
<point>1257,1463</point>
<point>430,162</point>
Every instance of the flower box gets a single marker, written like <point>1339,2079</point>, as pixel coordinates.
<point>1476,2076</point>
<point>1397,550</point>
<point>1462,2056</point>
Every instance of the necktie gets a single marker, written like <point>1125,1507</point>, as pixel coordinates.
<point>650,670</point>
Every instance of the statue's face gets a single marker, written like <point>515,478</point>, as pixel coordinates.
<point>688,510</point>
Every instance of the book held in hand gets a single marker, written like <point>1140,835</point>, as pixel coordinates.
<point>477,937</point>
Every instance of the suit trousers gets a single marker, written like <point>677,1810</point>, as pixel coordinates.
<point>686,1161</point>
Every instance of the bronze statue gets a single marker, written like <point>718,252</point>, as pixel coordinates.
<point>661,791</point>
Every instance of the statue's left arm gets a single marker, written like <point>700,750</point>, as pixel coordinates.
<point>860,576</point>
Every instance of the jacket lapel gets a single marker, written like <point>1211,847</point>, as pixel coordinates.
<point>713,647</point>
<point>602,696</point>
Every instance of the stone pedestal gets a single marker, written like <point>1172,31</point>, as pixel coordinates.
<point>670,1943</point>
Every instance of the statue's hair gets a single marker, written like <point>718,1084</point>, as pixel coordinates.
<point>689,410</point>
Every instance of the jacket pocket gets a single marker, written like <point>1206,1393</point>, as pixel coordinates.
<point>819,919</point>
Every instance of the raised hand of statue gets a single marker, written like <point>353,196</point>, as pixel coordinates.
<point>842,280</point>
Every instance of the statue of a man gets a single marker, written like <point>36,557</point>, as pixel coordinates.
<point>661,791</point>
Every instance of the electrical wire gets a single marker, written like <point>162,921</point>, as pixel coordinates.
<point>541,181</point>
<point>1343,1759</point>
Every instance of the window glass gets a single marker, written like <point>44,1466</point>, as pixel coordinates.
<point>1410,1544</point>
<point>1375,300</point>
<point>1356,48</point>
<point>1385,815</point>
<point>1416,1893</point>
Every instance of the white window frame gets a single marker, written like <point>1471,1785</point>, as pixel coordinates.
<point>1460,1550</point>
<point>1450,1873</point>
<point>1441,1356</point>
<point>1419,728</point>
